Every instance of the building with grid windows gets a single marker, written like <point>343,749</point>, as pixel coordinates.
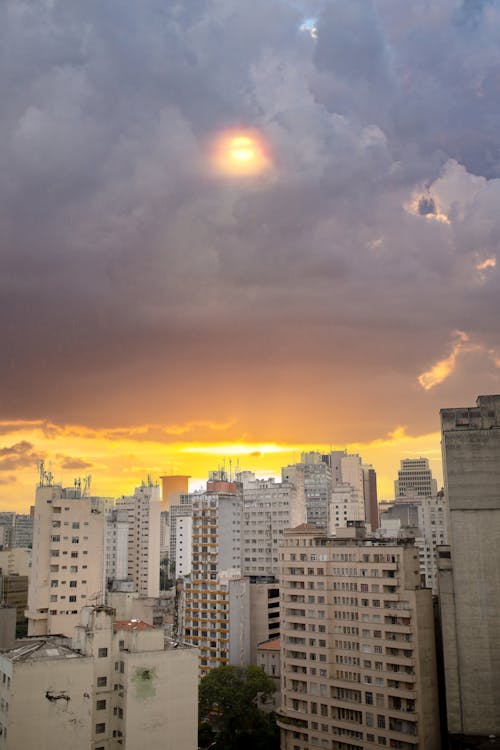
<point>358,664</point>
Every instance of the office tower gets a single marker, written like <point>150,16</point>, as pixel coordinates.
<point>120,684</point>
<point>357,644</point>
<point>23,530</point>
<point>317,486</point>
<point>216,596</point>
<point>143,509</point>
<point>469,580</point>
<point>67,560</point>
<point>415,479</point>
<point>370,496</point>
<point>172,487</point>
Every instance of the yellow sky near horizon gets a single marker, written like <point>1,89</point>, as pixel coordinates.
<point>119,463</point>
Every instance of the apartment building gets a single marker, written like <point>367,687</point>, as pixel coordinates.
<point>358,658</point>
<point>143,509</point>
<point>67,558</point>
<point>269,507</point>
<point>216,613</point>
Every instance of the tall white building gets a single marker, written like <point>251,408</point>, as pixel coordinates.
<point>433,524</point>
<point>181,548</point>
<point>67,559</point>
<point>415,479</point>
<point>143,509</point>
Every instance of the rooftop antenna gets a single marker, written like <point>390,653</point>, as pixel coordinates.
<point>87,481</point>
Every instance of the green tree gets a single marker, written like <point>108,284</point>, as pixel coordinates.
<point>230,716</point>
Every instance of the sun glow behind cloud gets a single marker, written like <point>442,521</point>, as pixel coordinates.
<point>239,153</point>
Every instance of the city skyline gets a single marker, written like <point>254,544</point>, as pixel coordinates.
<point>243,230</point>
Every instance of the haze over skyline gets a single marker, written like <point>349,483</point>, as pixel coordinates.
<point>158,314</point>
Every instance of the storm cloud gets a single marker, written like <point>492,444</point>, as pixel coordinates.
<point>138,287</point>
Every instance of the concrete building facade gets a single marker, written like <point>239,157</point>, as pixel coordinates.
<point>358,659</point>
<point>117,685</point>
<point>67,561</point>
<point>143,509</point>
<point>469,581</point>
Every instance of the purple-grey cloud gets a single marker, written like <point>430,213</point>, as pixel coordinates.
<point>136,286</point>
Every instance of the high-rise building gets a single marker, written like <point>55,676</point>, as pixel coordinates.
<point>469,580</point>
<point>181,528</point>
<point>415,479</point>
<point>346,504</point>
<point>67,559</point>
<point>7,521</point>
<point>358,659</point>
<point>370,496</point>
<point>216,614</point>
<point>116,548</point>
<point>143,509</point>
<point>269,508</point>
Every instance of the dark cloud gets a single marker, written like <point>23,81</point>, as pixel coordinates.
<point>17,456</point>
<point>67,462</point>
<point>135,287</point>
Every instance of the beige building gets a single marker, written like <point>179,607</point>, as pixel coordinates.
<point>143,509</point>
<point>358,661</point>
<point>67,564</point>
<point>469,580</point>
<point>45,696</point>
<point>120,685</point>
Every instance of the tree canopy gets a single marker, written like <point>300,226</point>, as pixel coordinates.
<point>230,713</point>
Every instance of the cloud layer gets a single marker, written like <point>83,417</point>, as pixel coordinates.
<point>137,287</point>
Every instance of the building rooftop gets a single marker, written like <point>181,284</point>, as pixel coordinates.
<point>271,645</point>
<point>131,625</point>
<point>30,649</point>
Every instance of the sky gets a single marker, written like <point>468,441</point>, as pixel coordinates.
<point>169,299</point>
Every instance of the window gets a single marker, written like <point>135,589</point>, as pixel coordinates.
<point>75,525</point>
<point>72,584</point>
<point>102,681</point>
<point>100,728</point>
<point>100,705</point>
<point>102,652</point>
<point>75,540</point>
<point>72,598</point>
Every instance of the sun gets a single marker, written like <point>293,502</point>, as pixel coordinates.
<point>239,154</point>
